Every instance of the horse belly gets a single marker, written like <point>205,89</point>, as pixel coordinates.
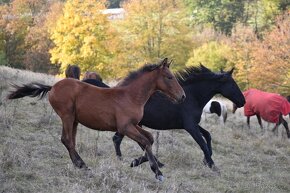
<point>97,119</point>
<point>98,124</point>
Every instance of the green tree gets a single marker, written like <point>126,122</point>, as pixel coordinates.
<point>214,55</point>
<point>221,15</point>
<point>152,30</point>
<point>83,36</point>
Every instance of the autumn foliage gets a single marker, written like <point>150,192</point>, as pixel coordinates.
<point>252,36</point>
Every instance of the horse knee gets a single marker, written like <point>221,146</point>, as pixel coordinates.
<point>150,138</point>
<point>67,143</point>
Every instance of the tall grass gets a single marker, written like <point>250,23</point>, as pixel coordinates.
<point>32,158</point>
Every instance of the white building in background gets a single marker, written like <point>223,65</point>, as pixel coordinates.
<point>113,14</point>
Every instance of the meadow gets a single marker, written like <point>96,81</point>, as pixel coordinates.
<point>33,159</point>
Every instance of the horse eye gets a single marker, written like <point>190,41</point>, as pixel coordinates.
<point>169,77</point>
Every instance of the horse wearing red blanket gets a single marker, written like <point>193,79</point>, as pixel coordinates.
<point>268,106</point>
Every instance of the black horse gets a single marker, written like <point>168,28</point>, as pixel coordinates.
<point>96,82</point>
<point>200,85</point>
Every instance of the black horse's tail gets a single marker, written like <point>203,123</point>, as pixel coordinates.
<point>32,90</point>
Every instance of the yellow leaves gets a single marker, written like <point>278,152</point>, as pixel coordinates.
<point>82,36</point>
<point>153,29</point>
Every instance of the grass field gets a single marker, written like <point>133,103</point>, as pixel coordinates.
<point>33,159</point>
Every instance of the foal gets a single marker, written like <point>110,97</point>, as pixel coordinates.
<point>107,109</point>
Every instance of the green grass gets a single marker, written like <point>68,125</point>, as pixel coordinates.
<point>33,159</point>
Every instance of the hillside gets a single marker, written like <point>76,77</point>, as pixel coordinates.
<point>33,159</point>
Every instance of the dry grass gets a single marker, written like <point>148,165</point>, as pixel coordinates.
<point>32,158</point>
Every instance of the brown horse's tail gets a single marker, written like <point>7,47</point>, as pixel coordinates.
<point>32,90</point>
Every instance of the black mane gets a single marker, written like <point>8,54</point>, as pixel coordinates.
<point>194,73</point>
<point>135,74</point>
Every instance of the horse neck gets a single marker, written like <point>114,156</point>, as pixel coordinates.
<point>142,88</point>
<point>202,91</point>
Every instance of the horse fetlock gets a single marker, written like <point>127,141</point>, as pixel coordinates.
<point>80,164</point>
<point>134,163</point>
<point>160,178</point>
<point>208,163</point>
<point>158,175</point>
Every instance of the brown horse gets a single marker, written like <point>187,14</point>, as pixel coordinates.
<point>107,109</point>
<point>73,71</point>
<point>92,75</point>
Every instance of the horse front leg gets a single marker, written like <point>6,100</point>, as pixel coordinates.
<point>117,140</point>
<point>132,132</point>
<point>285,124</point>
<point>195,133</point>
<point>144,158</point>
<point>248,122</point>
<point>207,137</point>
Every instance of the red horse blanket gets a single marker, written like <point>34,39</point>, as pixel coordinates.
<point>268,105</point>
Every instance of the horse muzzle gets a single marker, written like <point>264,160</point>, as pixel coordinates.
<point>181,98</point>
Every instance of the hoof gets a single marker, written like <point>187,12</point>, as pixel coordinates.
<point>216,169</point>
<point>80,164</point>
<point>134,163</point>
<point>120,158</point>
<point>160,178</point>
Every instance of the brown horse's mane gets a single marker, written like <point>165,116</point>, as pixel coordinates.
<point>193,73</point>
<point>135,74</point>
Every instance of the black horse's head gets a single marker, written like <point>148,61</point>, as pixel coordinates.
<point>229,88</point>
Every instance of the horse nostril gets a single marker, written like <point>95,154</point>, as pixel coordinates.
<point>183,97</point>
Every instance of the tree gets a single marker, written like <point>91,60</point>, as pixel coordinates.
<point>83,36</point>
<point>14,25</point>
<point>222,15</point>
<point>213,54</point>
<point>242,40</point>
<point>152,30</point>
<point>271,67</point>
<point>37,56</point>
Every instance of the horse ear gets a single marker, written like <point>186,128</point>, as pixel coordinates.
<point>168,64</point>
<point>164,62</point>
<point>231,71</point>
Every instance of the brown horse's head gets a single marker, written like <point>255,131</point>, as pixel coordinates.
<point>168,84</point>
<point>73,71</point>
<point>92,75</point>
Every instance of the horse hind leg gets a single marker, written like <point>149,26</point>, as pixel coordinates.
<point>285,125</point>
<point>117,140</point>
<point>68,138</point>
<point>132,132</point>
